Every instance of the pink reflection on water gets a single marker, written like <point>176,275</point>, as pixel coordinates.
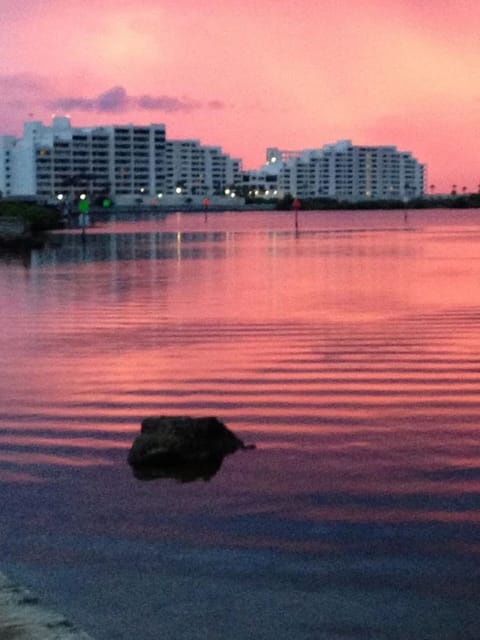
<point>33,458</point>
<point>349,353</point>
<point>18,477</point>
<point>77,443</point>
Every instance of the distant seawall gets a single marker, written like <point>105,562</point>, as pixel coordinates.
<point>23,618</point>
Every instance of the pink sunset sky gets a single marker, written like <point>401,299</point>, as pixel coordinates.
<point>247,75</point>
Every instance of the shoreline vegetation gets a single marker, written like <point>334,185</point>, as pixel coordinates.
<point>24,224</point>
<point>453,201</point>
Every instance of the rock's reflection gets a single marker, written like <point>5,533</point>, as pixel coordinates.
<point>180,471</point>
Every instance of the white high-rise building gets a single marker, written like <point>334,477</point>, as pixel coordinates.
<point>341,171</point>
<point>137,164</point>
<point>197,170</point>
<point>6,146</point>
<point>132,164</point>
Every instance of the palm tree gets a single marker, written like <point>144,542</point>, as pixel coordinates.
<point>454,189</point>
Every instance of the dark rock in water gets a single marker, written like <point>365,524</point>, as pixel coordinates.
<point>181,447</point>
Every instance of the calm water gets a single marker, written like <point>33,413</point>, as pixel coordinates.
<point>349,352</point>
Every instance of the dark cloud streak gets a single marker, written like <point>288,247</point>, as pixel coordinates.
<point>117,100</point>
<point>112,101</point>
<point>22,82</point>
<point>167,103</point>
<point>216,104</point>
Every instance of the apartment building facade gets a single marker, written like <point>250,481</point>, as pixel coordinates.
<point>131,164</point>
<point>196,170</point>
<point>7,144</point>
<point>341,171</point>
<point>138,164</point>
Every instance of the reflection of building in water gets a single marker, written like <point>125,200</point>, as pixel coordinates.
<point>342,171</point>
<point>114,247</point>
<point>132,164</point>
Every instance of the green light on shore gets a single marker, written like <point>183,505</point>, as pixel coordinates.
<point>106,203</point>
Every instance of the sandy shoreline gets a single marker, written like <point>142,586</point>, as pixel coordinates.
<point>22,617</point>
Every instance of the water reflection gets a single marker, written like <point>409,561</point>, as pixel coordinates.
<point>181,471</point>
<point>350,354</point>
<point>102,247</point>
